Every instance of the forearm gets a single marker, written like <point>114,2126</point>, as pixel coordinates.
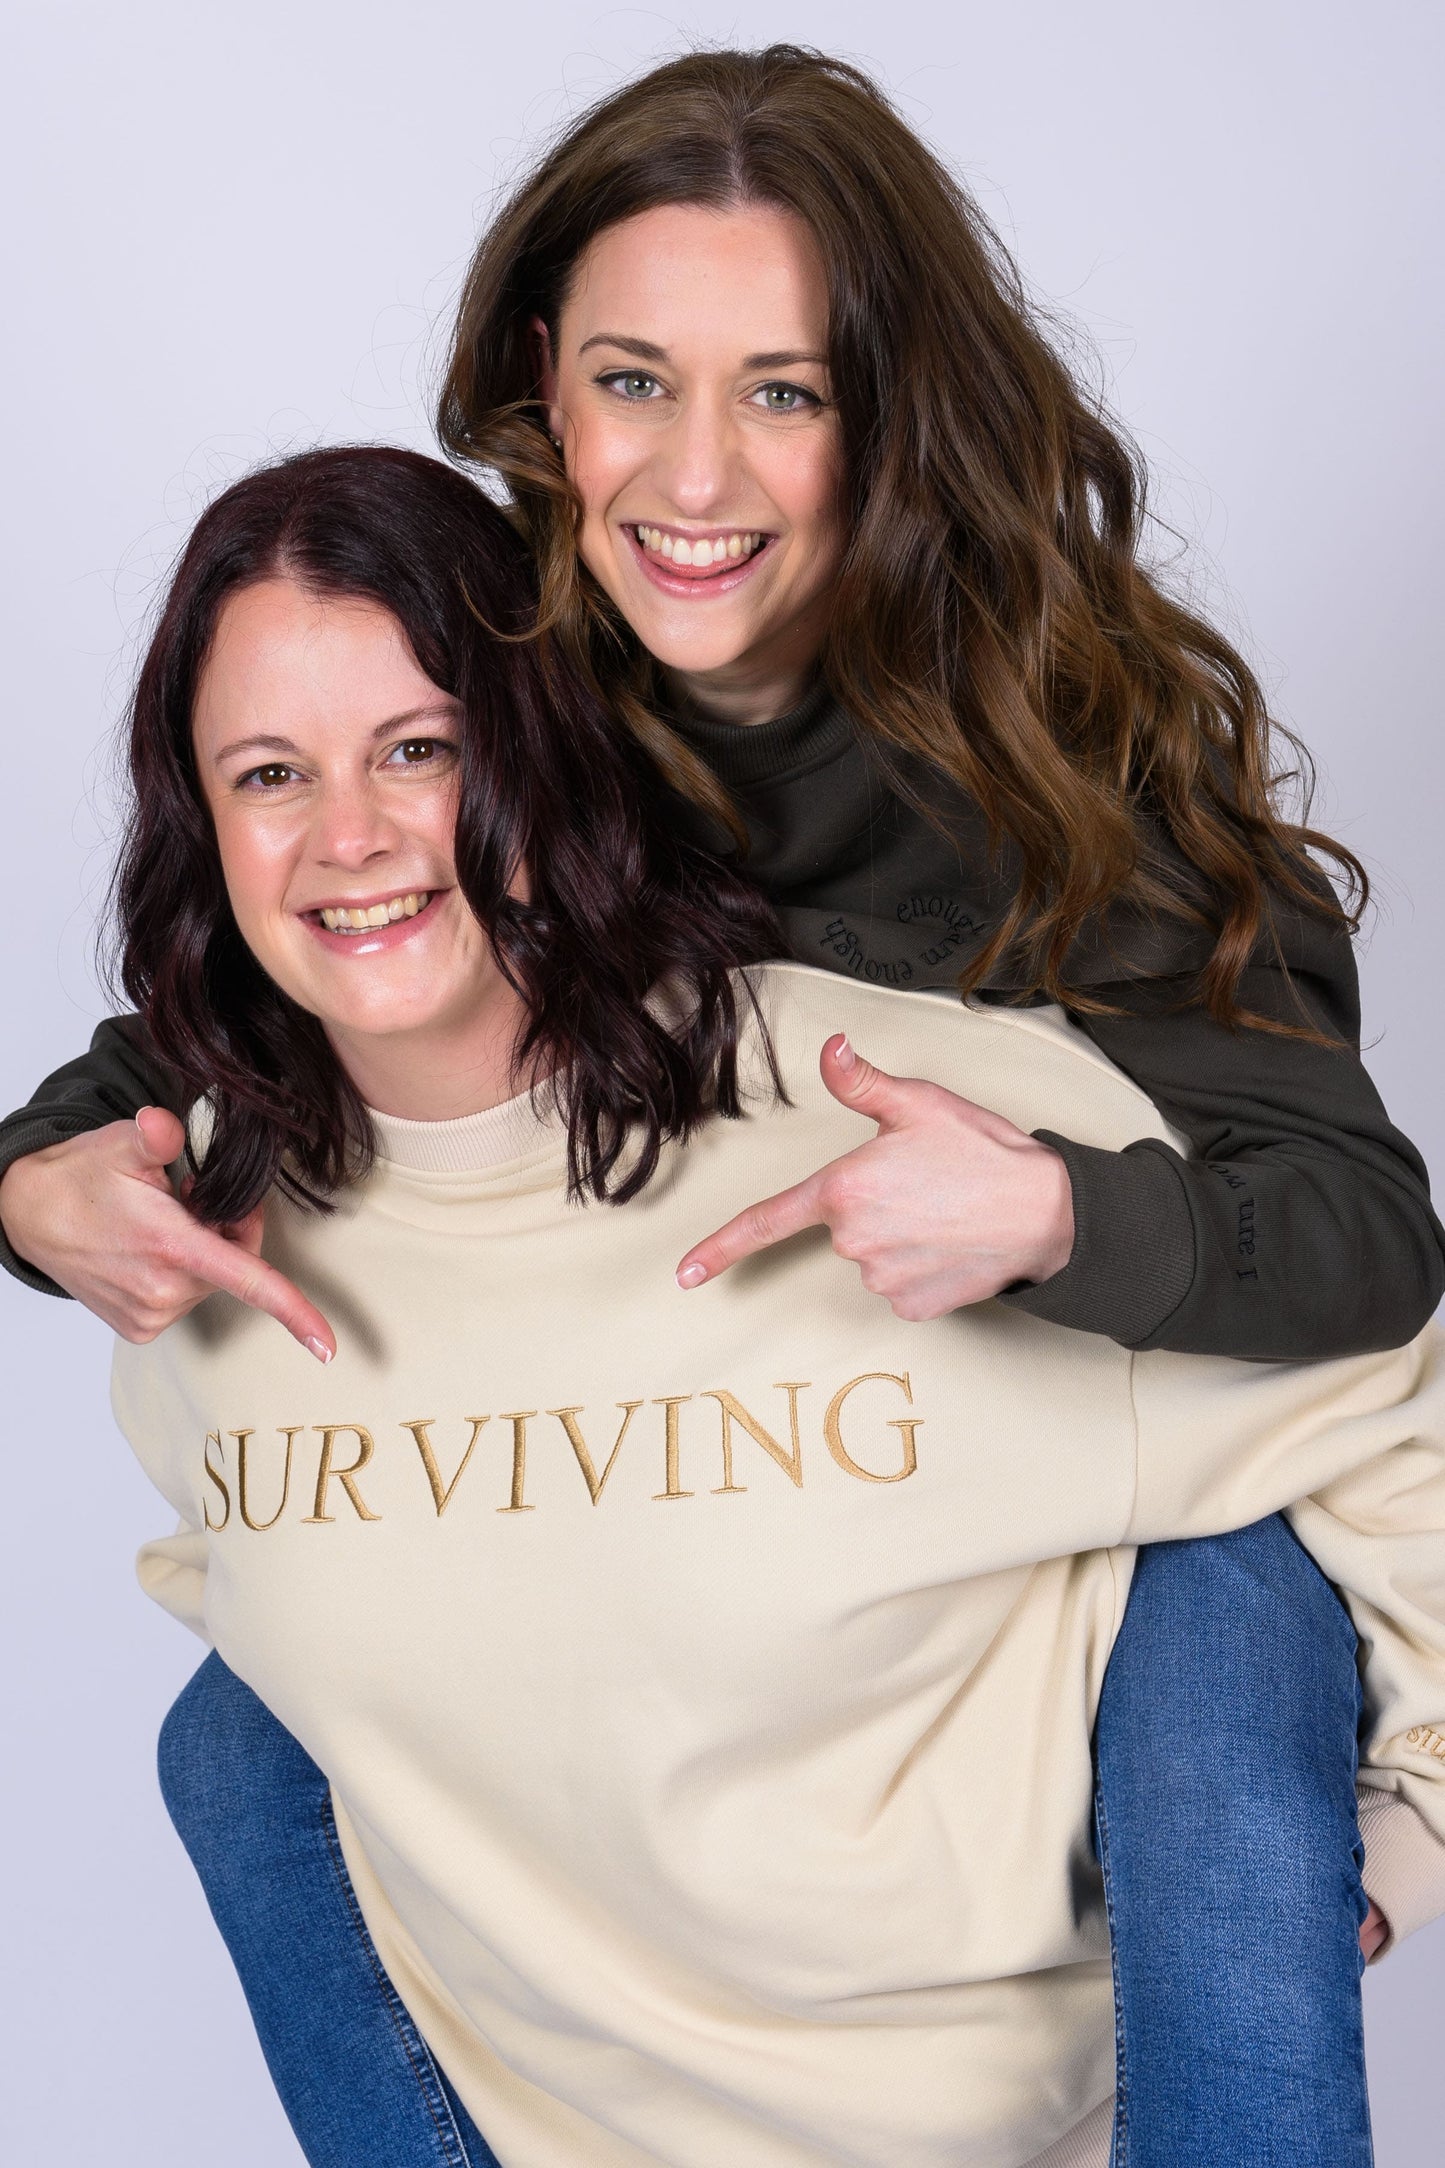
<point>1299,1227</point>
<point>1385,1540</point>
<point>112,1082</point>
<point>1286,1253</point>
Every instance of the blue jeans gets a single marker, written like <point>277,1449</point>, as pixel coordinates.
<point>1226,1829</point>
<point>1227,1839</point>
<point>355,2077</point>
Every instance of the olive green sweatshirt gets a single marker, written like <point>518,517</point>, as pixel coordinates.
<point>706,1680</point>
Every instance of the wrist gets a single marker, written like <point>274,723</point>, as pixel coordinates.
<point>13,1183</point>
<point>1055,1244</point>
<point>21,1219</point>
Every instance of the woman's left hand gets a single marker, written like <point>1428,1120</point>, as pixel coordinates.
<point>1374,1933</point>
<point>945,1206</point>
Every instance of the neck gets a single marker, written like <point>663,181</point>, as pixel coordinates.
<point>754,689</point>
<point>442,1073</point>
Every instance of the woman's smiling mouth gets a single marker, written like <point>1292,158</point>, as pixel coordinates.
<point>714,561</point>
<point>363,928</point>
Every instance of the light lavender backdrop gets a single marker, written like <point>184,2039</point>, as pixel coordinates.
<point>229,231</point>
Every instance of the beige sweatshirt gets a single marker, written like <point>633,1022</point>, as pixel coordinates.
<point>706,1680</point>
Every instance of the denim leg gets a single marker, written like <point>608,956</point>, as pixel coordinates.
<point>254,1812</point>
<point>1227,1834</point>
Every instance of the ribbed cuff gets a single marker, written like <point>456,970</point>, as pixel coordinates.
<point>1086,2145</point>
<point>18,1138</point>
<point>1404,1864</point>
<point>1133,1257</point>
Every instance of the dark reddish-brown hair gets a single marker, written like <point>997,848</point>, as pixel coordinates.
<point>993,617</point>
<point>622,904</point>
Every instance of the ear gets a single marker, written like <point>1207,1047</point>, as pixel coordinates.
<point>546,373</point>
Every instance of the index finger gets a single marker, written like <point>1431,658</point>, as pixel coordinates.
<point>758,1228</point>
<point>239,1272</point>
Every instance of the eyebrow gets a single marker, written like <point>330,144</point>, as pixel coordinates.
<point>644,350</point>
<point>264,742</point>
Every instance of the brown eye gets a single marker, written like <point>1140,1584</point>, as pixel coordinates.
<point>420,753</point>
<point>274,774</point>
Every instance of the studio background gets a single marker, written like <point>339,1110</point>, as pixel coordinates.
<point>233,232</point>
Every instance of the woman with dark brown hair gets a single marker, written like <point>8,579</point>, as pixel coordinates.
<point>820,511</point>
<point>590,1828</point>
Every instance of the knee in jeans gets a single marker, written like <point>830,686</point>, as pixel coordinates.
<point>1261,1574</point>
<point>201,1755</point>
<point>179,1761</point>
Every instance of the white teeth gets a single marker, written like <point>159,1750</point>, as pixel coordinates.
<point>718,550</point>
<point>346,918</point>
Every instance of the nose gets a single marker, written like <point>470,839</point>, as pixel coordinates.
<point>352,828</point>
<point>701,459</point>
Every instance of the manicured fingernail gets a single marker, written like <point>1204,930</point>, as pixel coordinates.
<point>692,1275</point>
<point>844,1055</point>
<point>320,1350</point>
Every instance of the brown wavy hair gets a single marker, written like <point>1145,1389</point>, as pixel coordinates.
<point>993,617</point>
<point>620,902</point>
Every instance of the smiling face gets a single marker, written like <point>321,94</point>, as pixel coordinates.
<point>329,762</point>
<point>690,389</point>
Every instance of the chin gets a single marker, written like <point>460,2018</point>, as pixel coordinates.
<point>693,648</point>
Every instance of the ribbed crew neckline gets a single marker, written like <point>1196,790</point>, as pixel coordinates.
<point>742,753</point>
<point>470,1143</point>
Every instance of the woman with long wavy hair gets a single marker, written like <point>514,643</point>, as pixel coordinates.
<point>819,510</point>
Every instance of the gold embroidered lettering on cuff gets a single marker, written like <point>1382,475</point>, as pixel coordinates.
<point>420,1429</point>
<point>346,1477</point>
<point>906,1425</point>
<point>733,1411</point>
<point>567,1417</point>
<point>290,1432</point>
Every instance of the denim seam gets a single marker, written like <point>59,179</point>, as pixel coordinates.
<point>418,2054</point>
<point>1119,2151</point>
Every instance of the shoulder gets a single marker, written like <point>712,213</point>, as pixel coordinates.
<point>1033,1065</point>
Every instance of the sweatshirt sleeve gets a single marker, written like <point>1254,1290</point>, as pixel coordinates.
<point>1378,1533</point>
<point>111,1083</point>
<point>1355,1453</point>
<point>1300,1227</point>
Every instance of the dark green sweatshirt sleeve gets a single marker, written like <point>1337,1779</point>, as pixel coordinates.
<point>1301,1228</point>
<point>111,1083</point>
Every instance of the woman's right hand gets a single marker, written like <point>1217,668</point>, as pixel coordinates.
<point>98,1214</point>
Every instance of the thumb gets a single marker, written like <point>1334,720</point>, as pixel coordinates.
<point>160,1136</point>
<point>854,1081</point>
